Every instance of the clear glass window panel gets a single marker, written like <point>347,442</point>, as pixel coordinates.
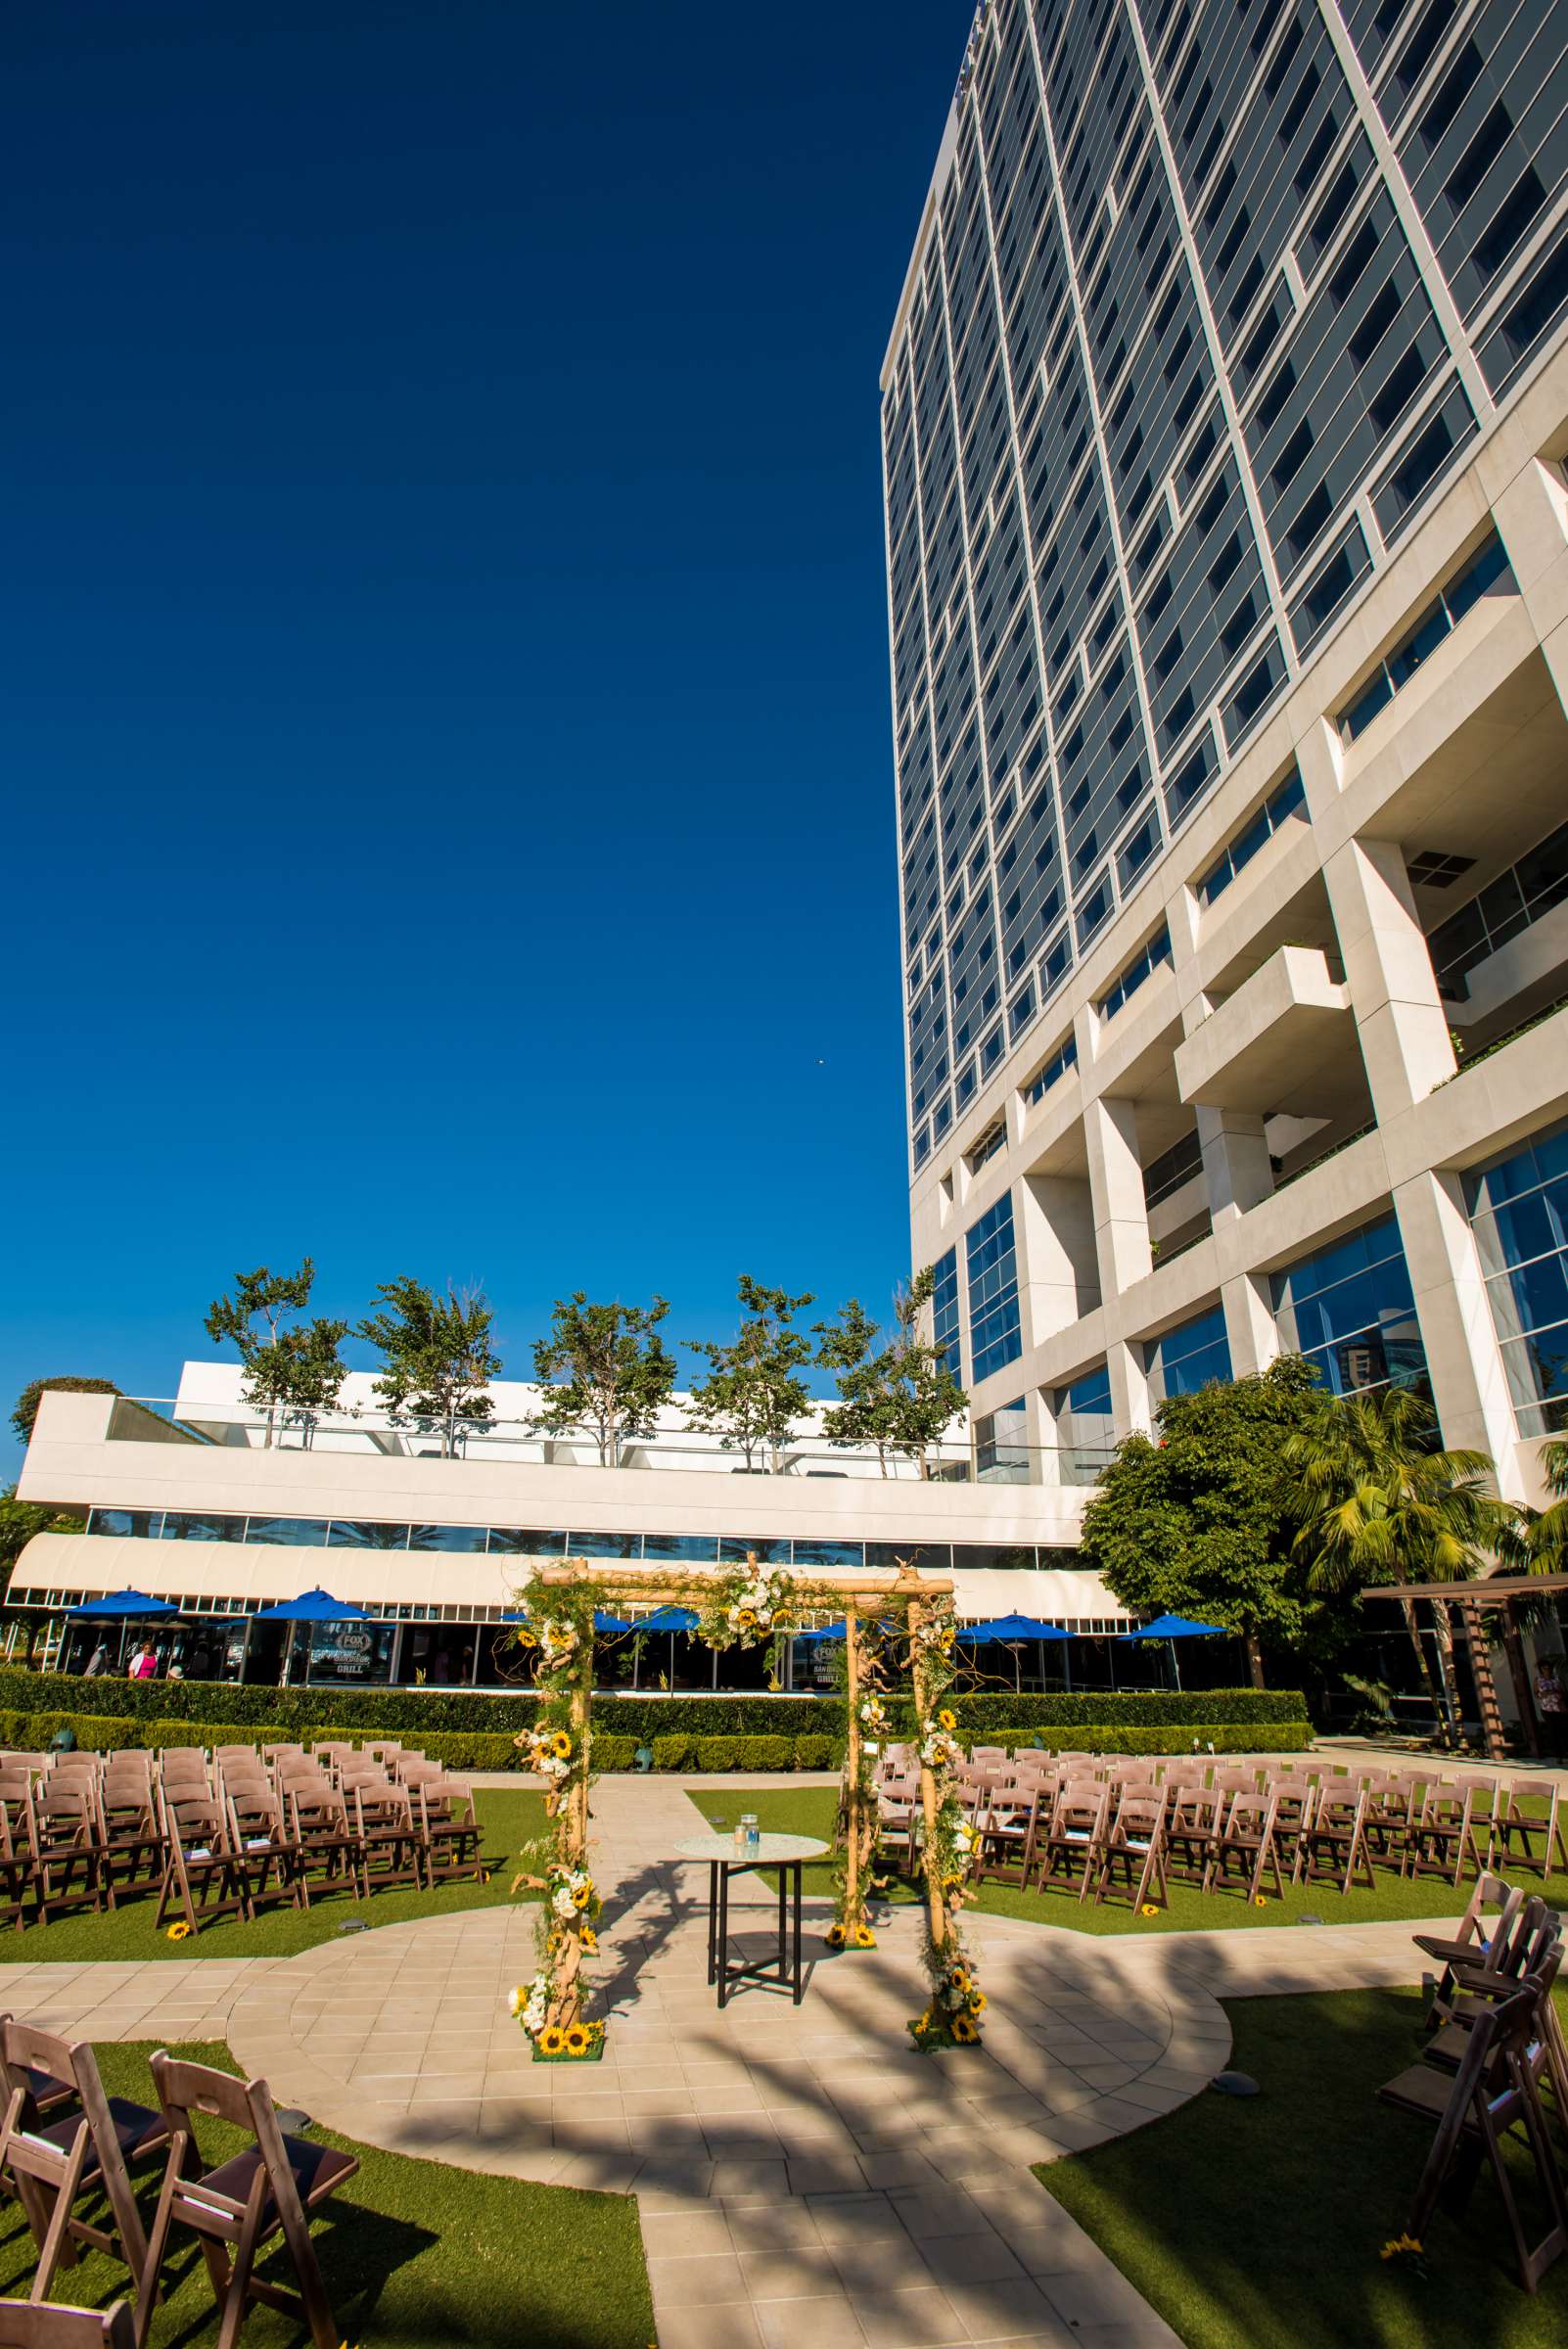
<point>1337,1263</point>
<point>1535,1224</point>
<point>288,1532</point>
<point>350,1655</point>
<point>604,1546</point>
<point>367,1533</point>
<point>769,1549</point>
<point>698,1549</point>
<point>930,1557</point>
<point>1531,1297</point>
<point>192,1525</point>
<point>1537,1370</point>
<point>1189,1371</point>
<point>987,1557</point>
<point>138,1525</point>
<point>447,1537</point>
<point>829,1553</point>
<point>522,1541</point>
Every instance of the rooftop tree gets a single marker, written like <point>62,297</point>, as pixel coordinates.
<point>293,1369</point>
<point>1199,1522</point>
<point>753,1392</point>
<point>603,1367</point>
<point>438,1355</point>
<point>896,1391</point>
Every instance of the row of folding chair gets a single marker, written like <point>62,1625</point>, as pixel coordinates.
<point>71,2156</point>
<point>1493,2052</point>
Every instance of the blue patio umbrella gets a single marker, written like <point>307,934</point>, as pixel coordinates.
<point>666,1619</point>
<point>1174,1627</point>
<point>826,1631</point>
<point>312,1606</point>
<point>124,1603</point>
<point>609,1626</point>
<point>1009,1629</point>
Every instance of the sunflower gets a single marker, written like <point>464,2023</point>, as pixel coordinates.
<point>960,1979</point>
<point>526,1638</point>
<point>1149,1908</point>
<point>977,2002</point>
<point>864,1938</point>
<point>561,1746</point>
<point>582,1896</point>
<point>552,2038</point>
<point>590,1939</point>
<point>180,1931</point>
<point>1260,1900</point>
<point>948,1720</point>
<point>965,2030</point>
<point>576,2041</point>
<point>835,1937</point>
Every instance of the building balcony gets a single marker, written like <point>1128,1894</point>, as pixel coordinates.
<point>1270,1045</point>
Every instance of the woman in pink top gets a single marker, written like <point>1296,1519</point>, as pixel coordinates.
<point>144,1665</point>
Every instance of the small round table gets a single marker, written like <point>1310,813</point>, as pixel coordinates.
<point>788,1854</point>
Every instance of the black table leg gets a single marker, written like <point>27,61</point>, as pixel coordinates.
<point>724,1932</point>
<point>713,1920</point>
<point>796,1873</point>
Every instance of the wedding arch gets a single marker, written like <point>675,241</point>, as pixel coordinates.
<point>896,1622</point>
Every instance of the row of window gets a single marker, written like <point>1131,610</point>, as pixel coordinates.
<point>1142,966</point>
<point>1289,800</point>
<point>1485,569</point>
<point>1519,1214</point>
<point>511,1542</point>
<point>1499,911</point>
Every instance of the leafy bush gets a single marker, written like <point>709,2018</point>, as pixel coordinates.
<point>672,1753</point>
<point>1271,1738</point>
<point>765,1753</point>
<point>815,1753</point>
<point>613,1753</point>
<point>712,1753</point>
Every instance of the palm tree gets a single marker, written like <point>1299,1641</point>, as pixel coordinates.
<point>1376,1502</point>
<point>1541,1541</point>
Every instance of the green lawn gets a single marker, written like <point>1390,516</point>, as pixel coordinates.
<point>128,1932</point>
<point>811,1810</point>
<point>414,2255</point>
<point>1259,2224</point>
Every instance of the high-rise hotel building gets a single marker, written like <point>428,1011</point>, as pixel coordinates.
<point>1224,428</point>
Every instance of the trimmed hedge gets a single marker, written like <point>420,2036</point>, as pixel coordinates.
<point>412,1713</point>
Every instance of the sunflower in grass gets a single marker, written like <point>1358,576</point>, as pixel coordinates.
<point>552,2039</point>
<point>179,1931</point>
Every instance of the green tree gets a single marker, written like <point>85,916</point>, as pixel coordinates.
<point>1376,1501</point>
<point>439,1359</point>
<point>1198,1523</point>
<point>603,1367</point>
<point>1538,1543</point>
<point>898,1395</point>
<point>26,1410</point>
<point>754,1393</point>
<point>20,1520</point>
<point>293,1370</point>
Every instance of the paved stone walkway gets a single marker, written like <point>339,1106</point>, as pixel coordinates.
<point>801,2173</point>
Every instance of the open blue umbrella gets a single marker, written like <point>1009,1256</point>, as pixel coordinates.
<point>1012,1627</point>
<point>827,1631</point>
<point>666,1619</point>
<point>124,1603</point>
<point>312,1606</point>
<point>610,1626</point>
<point>1174,1627</point>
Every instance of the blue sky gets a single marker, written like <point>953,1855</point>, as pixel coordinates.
<point>445,705</point>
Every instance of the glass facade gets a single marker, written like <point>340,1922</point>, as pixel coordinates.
<point>1001,1444</point>
<point>1166,348</point>
<point>944,1312</point>
<point>1519,1211</point>
<point>995,1336</point>
<point>1188,1357</point>
<point>1350,1309</point>
<point>1085,1432</point>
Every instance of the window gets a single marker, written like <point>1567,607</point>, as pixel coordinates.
<point>1084,1431</point>
<point>136,1525</point>
<point>1141,967</point>
<point>522,1542</point>
<point>1519,1211</point>
<point>1166,1174</point>
<point>295,1533</point>
<point>1289,800</point>
<point>365,1534</point>
<point>446,1537</point>
<point>1189,1357</point>
<point>1001,1444</point>
<point>1510,903</point>
<point>1350,1309</point>
<point>694,1548</point>
<point>1486,569</point>
<point>193,1525</point>
<point>991,1271</point>
<point>1064,1057</point>
<point>944,1312</point>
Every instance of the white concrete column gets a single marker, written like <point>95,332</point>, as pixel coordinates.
<point>1058,1272</point>
<point>1116,1187</point>
<point>1469,1385</point>
<point>1531,512</point>
<point>1399,1017</point>
<point>1129,1387</point>
<point>1251,1331</point>
<point>1236,1171</point>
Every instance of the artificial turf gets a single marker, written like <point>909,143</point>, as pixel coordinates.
<point>811,1810</point>
<point>1259,2223</point>
<point>130,1933</point>
<point>414,2255</point>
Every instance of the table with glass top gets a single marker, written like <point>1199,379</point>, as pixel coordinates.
<point>788,1854</point>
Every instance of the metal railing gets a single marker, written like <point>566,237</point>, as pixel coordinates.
<point>368,1431</point>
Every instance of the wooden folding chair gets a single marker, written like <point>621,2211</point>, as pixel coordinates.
<point>1008,1835</point>
<point>52,2163</point>
<point>1441,1834</point>
<point>259,1835</point>
<point>15,1873</point>
<point>1529,1812</point>
<point>449,1831</point>
<point>388,1834</point>
<point>1192,1815</point>
<point>1332,1846</point>
<point>1471,2113</point>
<point>182,1769</point>
<point>50,2095</point>
<point>24,2326</point>
<point>66,1851</point>
<point>1074,1840</point>
<point>128,1827</point>
<point>324,1837</point>
<point>203,1873</point>
<point>1245,1846</point>
<point>1134,1848</point>
<point>240,2207</point>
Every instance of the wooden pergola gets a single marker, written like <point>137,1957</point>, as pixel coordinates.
<point>921,1605</point>
<point>1472,1600</point>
